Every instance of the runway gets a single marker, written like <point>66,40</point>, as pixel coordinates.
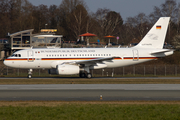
<point>89,92</point>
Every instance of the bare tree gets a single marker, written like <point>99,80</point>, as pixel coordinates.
<point>53,16</point>
<point>78,21</point>
<point>67,10</point>
<point>168,9</point>
<point>137,26</point>
<point>108,21</point>
<point>113,22</point>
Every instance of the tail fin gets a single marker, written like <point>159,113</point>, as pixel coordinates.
<point>156,36</point>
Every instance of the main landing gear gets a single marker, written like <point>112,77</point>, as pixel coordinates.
<point>85,73</point>
<point>30,73</point>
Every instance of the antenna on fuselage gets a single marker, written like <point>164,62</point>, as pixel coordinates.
<point>31,47</point>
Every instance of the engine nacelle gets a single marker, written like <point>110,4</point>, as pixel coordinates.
<point>66,69</point>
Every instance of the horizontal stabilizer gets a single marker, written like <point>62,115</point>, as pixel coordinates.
<point>161,51</point>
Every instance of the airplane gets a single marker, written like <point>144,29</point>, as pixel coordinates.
<point>70,61</point>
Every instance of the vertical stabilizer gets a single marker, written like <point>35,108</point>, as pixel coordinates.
<point>156,36</point>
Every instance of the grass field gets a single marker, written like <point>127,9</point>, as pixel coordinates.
<point>88,81</point>
<point>54,110</point>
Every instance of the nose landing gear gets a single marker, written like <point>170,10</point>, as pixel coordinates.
<point>30,73</point>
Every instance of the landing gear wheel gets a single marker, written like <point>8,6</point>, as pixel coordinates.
<point>89,75</point>
<point>30,76</point>
<point>82,75</point>
<point>30,73</point>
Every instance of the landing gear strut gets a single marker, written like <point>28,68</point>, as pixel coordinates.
<point>30,73</point>
<point>85,73</point>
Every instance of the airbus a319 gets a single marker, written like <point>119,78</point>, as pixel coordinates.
<point>69,61</point>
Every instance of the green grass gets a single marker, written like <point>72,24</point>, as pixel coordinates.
<point>92,112</point>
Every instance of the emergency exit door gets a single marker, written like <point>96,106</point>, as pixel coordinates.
<point>135,55</point>
<point>30,55</point>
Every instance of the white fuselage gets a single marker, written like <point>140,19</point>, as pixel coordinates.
<point>50,58</point>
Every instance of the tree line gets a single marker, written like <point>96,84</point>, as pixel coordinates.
<point>72,18</point>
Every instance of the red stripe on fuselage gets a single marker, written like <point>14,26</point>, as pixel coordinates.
<point>126,58</point>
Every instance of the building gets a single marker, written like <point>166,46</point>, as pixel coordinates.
<point>26,40</point>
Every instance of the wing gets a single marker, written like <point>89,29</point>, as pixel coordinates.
<point>85,62</point>
<point>94,61</point>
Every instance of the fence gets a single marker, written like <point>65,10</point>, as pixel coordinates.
<point>136,70</point>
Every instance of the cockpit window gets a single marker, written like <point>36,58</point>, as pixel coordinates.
<point>16,55</point>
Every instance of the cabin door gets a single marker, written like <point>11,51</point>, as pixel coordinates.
<point>135,55</point>
<point>30,56</point>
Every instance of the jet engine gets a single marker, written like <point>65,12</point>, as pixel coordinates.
<point>65,69</point>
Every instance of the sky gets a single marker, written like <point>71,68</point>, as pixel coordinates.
<point>126,8</point>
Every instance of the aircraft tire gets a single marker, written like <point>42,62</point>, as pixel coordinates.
<point>89,75</point>
<point>29,76</point>
<point>82,75</point>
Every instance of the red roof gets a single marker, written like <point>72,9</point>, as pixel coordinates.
<point>87,34</point>
<point>109,36</point>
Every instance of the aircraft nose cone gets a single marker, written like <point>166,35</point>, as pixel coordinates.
<point>6,62</point>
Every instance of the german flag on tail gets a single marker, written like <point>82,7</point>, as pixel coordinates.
<point>158,27</point>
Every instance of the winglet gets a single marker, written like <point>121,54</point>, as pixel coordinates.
<point>156,36</point>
